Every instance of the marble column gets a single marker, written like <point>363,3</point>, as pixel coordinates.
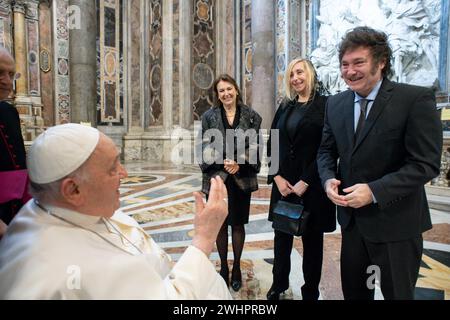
<point>263,40</point>
<point>167,64</point>
<point>133,24</point>
<point>226,38</point>
<point>83,61</point>
<point>20,48</point>
<point>186,119</point>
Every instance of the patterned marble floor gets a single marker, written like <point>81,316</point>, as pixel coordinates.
<point>160,198</point>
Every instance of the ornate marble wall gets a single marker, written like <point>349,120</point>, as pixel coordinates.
<point>176,62</point>
<point>61,61</point>
<point>110,63</point>
<point>156,115</point>
<point>203,56</point>
<point>32,26</point>
<point>135,27</point>
<point>46,64</point>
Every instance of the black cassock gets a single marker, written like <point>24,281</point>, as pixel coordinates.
<point>12,154</point>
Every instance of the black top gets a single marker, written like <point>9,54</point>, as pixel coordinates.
<point>299,136</point>
<point>245,119</point>
<point>236,118</point>
<point>233,126</point>
<point>296,115</point>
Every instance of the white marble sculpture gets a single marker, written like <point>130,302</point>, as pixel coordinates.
<point>412,27</point>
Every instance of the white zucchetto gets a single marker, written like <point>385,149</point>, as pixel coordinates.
<point>59,151</point>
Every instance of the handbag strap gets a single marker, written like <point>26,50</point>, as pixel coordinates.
<point>301,199</point>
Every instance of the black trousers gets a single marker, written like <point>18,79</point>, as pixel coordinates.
<point>312,262</point>
<point>396,264</point>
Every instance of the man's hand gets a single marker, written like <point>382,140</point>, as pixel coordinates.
<point>210,217</point>
<point>359,195</point>
<point>300,188</point>
<point>231,166</point>
<point>3,227</point>
<point>283,185</point>
<point>331,188</point>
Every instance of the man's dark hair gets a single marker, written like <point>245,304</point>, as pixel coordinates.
<point>375,41</point>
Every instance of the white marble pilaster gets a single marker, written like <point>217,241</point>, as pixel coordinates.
<point>225,38</point>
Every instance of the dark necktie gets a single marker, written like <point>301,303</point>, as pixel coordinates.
<point>362,117</point>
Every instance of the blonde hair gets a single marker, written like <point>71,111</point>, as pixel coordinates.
<point>311,78</point>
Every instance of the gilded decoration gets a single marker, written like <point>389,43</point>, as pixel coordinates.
<point>46,63</point>
<point>110,64</point>
<point>202,11</point>
<point>109,57</point>
<point>155,78</point>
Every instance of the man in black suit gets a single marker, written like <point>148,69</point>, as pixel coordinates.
<point>388,139</point>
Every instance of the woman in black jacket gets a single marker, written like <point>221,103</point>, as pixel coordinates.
<point>299,120</point>
<point>235,160</point>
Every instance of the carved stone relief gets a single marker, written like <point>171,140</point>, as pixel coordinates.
<point>412,27</point>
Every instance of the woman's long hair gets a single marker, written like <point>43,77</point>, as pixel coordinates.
<point>312,84</point>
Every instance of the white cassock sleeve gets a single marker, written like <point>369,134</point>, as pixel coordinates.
<point>194,277</point>
<point>44,258</point>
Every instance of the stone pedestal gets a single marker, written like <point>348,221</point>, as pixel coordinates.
<point>148,147</point>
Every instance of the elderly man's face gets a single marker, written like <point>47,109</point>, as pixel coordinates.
<point>7,74</point>
<point>104,173</point>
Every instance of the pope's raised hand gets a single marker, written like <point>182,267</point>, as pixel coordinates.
<point>209,217</point>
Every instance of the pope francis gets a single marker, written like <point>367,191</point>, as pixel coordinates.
<point>69,242</point>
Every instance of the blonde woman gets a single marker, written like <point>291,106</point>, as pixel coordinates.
<point>299,120</point>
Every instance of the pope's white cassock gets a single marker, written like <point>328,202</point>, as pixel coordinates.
<point>61,254</point>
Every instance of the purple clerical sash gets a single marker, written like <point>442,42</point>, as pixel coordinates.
<point>13,185</point>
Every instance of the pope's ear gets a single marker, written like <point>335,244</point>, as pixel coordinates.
<point>70,192</point>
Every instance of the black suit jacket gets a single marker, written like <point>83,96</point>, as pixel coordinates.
<point>249,166</point>
<point>398,151</point>
<point>297,161</point>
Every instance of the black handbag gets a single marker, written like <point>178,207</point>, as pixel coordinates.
<point>290,218</point>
